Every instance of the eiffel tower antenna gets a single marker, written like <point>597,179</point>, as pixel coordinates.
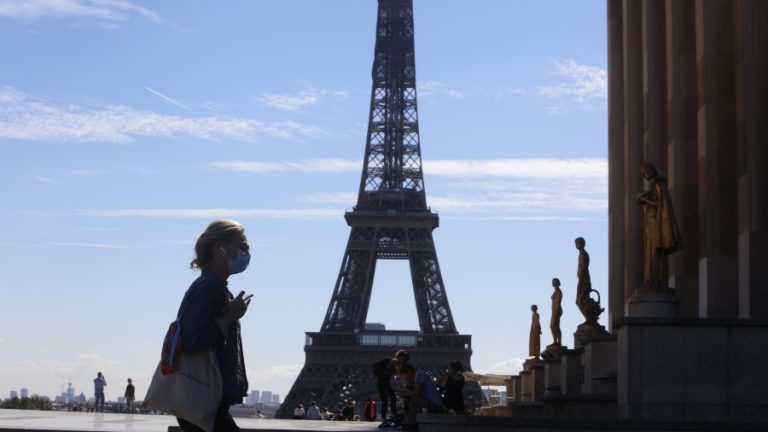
<point>390,221</point>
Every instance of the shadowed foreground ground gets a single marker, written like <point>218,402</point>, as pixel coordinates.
<point>53,421</point>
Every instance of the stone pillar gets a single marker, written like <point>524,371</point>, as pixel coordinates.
<point>752,123</point>
<point>552,376</point>
<point>514,389</point>
<point>532,379</point>
<point>717,138</point>
<point>570,364</point>
<point>633,144</point>
<point>600,367</point>
<point>654,84</point>
<point>687,92</point>
<point>644,53</point>
<point>682,159</point>
<point>616,291</point>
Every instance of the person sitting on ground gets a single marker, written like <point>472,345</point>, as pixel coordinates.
<point>313,412</point>
<point>298,412</point>
<point>420,393</point>
<point>452,380</point>
<point>369,412</point>
<point>348,411</point>
<point>326,414</point>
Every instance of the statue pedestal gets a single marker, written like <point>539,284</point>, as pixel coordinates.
<point>553,351</point>
<point>586,333</point>
<point>532,379</point>
<point>514,389</point>
<point>653,304</point>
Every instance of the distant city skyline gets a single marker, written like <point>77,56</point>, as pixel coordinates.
<point>69,395</point>
<point>126,127</point>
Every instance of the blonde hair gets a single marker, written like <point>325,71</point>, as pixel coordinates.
<point>220,230</point>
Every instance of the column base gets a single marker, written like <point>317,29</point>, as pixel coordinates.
<point>553,351</point>
<point>586,333</point>
<point>661,304</point>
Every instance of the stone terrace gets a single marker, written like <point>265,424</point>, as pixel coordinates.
<point>53,421</point>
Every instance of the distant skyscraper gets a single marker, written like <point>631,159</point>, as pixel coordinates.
<point>276,399</point>
<point>253,398</point>
<point>266,397</point>
<point>70,393</point>
<point>14,394</point>
<point>24,392</point>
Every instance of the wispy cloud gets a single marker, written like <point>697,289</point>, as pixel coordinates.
<point>110,10</point>
<point>43,179</point>
<point>86,172</point>
<point>280,371</point>
<point>506,189</point>
<point>586,87</point>
<point>506,367</point>
<point>278,378</point>
<point>500,189</point>
<point>299,100</point>
<point>25,119</point>
<point>534,199</point>
<point>90,245</point>
<point>167,99</point>
<point>316,165</point>
<point>540,168</point>
<point>200,213</point>
<point>437,88</point>
<point>335,198</point>
<point>504,93</point>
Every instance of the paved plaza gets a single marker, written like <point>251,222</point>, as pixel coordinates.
<point>20,420</point>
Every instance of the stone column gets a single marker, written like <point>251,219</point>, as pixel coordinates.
<point>646,22</point>
<point>682,149</point>
<point>717,151</point>
<point>654,84</point>
<point>616,172</point>
<point>633,144</point>
<point>752,123</point>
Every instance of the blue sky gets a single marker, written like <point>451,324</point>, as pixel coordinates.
<point>126,127</point>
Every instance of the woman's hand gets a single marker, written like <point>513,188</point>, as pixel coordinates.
<point>237,307</point>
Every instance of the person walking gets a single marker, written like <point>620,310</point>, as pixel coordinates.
<point>130,396</point>
<point>209,314</point>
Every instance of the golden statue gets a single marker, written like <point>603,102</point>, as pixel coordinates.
<point>534,342</point>
<point>662,237</point>
<point>588,306</point>
<point>557,312</point>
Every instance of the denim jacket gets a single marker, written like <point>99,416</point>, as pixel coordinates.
<point>203,327</point>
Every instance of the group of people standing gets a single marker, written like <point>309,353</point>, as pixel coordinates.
<point>98,388</point>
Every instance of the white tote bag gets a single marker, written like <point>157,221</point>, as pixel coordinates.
<point>192,391</point>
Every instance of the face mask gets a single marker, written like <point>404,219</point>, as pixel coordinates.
<point>239,263</point>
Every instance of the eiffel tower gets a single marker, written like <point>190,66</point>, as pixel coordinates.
<point>390,221</point>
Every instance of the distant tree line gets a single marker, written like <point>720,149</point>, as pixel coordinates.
<point>27,403</point>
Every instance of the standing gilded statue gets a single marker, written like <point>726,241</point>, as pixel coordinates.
<point>588,306</point>
<point>662,236</point>
<point>534,342</point>
<point>557,312</point>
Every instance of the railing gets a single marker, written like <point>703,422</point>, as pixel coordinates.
<point>389,339</point>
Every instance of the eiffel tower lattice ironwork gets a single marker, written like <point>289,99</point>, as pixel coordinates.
<point>391,220</point>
